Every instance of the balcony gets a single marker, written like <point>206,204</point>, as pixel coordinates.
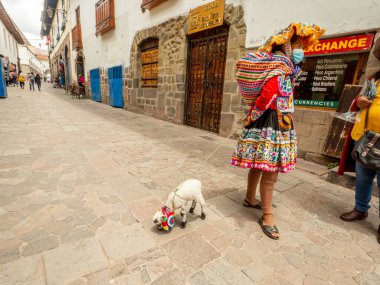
<point>105,16</point>
<point>77,37</point>
<point>150,4</point>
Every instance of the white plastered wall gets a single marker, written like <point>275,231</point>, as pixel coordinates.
<point>8,45</point>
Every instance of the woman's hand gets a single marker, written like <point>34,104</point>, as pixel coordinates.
<point>363,102</point>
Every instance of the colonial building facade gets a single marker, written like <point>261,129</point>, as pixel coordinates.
<point>56,28</point>
<point>10,39</point>
<point>175,59</point>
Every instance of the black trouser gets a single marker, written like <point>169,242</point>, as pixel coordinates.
<point>38,85</point>
<point>31,85</point>
<point>22,84</point>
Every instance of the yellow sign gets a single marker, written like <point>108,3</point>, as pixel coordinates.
<point>206,17</point>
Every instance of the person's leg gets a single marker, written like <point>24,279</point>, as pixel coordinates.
<point>378,187</point>
<point>268,180</point>
<point>363,187</point>
<point>253,180</point>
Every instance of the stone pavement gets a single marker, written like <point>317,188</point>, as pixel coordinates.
<point>80,181</point>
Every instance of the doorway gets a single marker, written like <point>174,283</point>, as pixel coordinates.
<point>207,52</point>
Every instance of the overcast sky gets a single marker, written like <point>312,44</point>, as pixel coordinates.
<point>27,14</point>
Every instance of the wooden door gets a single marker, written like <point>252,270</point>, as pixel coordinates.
<point>205,78</point>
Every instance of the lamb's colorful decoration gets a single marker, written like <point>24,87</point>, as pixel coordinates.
<point>168,218</point>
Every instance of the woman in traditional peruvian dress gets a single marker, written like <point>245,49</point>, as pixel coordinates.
<point>268,145</point>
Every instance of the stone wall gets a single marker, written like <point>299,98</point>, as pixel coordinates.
<point>125,84</point>
<point>312,127</point>
<point>167,101</point>
<point>88,86</point>
<point>104,88</point>
<point>233,106</point>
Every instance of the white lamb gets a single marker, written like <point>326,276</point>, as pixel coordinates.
<point>189,190</point>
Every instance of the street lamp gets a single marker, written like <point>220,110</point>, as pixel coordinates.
<point>50,12</point>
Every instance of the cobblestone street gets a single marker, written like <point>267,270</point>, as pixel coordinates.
<point>80,182</point>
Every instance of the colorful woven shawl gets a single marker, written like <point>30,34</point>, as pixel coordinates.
<point>255,69</point>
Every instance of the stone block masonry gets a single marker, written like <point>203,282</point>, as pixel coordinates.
<point>167,101</point>
<point>312,127</point>
<point>104,87</point>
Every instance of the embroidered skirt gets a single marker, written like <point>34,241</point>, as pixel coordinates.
<point>263,145</point>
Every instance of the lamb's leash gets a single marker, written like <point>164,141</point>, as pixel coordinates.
<point>221,143</point>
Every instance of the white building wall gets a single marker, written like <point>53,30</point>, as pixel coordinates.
<point>56,26</point>
<point>27,58</point>
<point>8,44</point>
<point>44,65</point>
<point>262,17</point>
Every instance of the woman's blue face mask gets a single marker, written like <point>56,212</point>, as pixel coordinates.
<point>298,55</point>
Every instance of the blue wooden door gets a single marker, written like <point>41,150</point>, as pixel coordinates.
<point>3,84</point>
<point>115,79</point>
<point>95,85</point>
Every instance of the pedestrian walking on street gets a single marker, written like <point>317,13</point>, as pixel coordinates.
<point>21,79</point>
<point>365,176</point>
<point>61,81</point>
<point>14,79</point>
<point>31,80</point>
<point>38,81</point>
<point>267,145</point>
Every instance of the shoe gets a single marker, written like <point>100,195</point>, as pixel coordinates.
<point>269,230</point>
<point>249,205</point>
<point>354,215</point>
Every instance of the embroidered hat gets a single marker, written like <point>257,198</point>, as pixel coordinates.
<point>309,33</point>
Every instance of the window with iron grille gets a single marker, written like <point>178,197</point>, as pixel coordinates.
<point>149,63</point>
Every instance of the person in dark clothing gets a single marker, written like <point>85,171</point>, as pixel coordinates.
<point>37,79</point>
